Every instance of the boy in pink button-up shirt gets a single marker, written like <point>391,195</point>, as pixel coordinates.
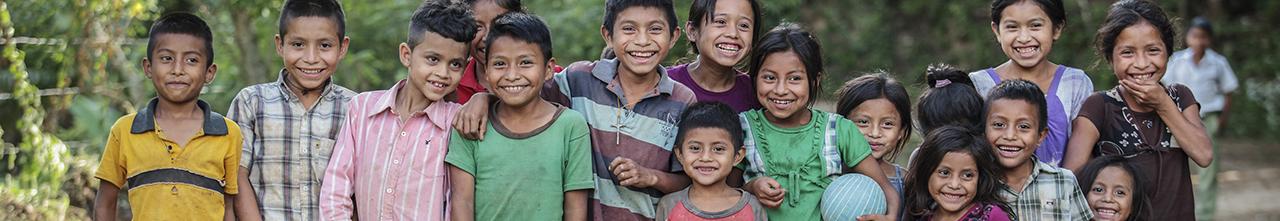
<point>389,160</point>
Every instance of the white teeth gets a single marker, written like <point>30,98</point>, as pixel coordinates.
<point>513,88</point>
<point>311,71</point>
<point>437,84</point>
<point>642,54</point>
<point>780,101</point>
<point>1025,50</point>
<point>728,47</point>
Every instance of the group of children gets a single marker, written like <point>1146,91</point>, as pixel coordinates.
<point>487,126</point>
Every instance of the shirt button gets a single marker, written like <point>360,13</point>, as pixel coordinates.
<point>388,190</point>
<point>395,162</point>
<point>402,133</point>
<point>174,190</point>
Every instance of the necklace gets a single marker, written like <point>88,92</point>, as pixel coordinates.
<point>617,125</point>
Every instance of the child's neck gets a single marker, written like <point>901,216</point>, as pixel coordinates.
<point>1041,74</point>
<point>636,85</point>
<point>711,76</point>
<point>888,168</point>
<point>943,215</point>
<point>525,118</point>
<point>715,197</point>
<point>309,97</point>
<point>178,122</point>
<point>409,100</point>
<point>1018,176</point>
<point>800,118</point>
<point>178,111</point>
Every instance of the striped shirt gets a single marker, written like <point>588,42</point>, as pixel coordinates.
<point>644,133</point>
<point>287,146</point>
<point>382,169</point>
<point>1051,193</point>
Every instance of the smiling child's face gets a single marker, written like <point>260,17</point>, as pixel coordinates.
<point>178,67</point>
<point>485,12</point>
<point>516,71</point>
<point>640,38</point>
<point>311,49</point>
<point>783,87</point>
<point>708,155</point>
<point>1111,196</point>
<point>955,182</point>
<point>1139,55</point>
<point>725,37</point>
<point>435,64</point>
<point>1013,131</point>
<point>1026,34</point>
<point>880,124</point>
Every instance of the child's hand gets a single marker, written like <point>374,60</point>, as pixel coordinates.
<point>1148,94</point>
<point>768,191</point>
<point>471,118</point>
<point>631,174</point>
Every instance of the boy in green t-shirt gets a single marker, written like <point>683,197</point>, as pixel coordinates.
<point>539,167</point>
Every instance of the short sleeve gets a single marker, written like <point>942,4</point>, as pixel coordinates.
<point>853,146</point>
<point>1185,97</point>
<point>1094,108</point>
<point>461,153</point>
<point>665,205</point>
<point>112,167</point>
<point>231,162</point>
<point>1227,82</point>
<point>577,164</point>
<point>242,112</point>
<point>756,209</point>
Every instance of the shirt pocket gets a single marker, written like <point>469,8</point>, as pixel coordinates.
<point>321,151</point>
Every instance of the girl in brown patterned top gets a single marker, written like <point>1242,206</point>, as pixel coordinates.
<point>1155,125</point>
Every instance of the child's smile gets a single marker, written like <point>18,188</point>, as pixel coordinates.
<point>1110,197</point>
<point>708,155</point>
<point>1140,54</point>
<point>1012,129</point>
<point>516,70</point>
<point>878,121</point>
<point>726,35</point>
<point>1026,34</point>
<point>435,65</point>
<point>640,38</point>
<point>953,183</point>
<point>783,87</point>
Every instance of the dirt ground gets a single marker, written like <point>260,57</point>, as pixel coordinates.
<point>1248,180</point>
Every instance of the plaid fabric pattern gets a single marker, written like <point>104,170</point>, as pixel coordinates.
<point>286,146</point>
<point>1051,193</point>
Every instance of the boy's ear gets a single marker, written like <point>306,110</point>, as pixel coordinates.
<point>405,54</point>
<point>551,69</point>
<point>146,67</point>
<point>342,50</point>
<point>741,154</point>
<point>608,37</point>
<point>1057,31</point>
<point>675,37</point>
<point>280,46</point>
<point>210,73</point>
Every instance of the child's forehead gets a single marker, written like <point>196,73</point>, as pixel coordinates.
<point>436,42</point>
<point>178,43</point>
<point>311,24</point>
<point>643,14</point>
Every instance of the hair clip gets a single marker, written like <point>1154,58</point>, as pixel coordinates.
<point>941,83</point>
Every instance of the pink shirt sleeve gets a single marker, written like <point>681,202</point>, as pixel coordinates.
<point>336,190</point>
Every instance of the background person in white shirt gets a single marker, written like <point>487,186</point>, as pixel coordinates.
<point>1211,79</point>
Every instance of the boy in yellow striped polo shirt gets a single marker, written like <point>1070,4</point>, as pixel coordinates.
<point>176,158</point>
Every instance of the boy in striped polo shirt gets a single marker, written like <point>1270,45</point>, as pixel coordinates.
<point>631,106</point>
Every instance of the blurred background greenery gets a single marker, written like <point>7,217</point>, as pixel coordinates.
<point>71,67</point>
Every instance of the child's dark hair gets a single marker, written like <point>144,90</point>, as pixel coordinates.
<point>509,5</point>
<point>937,144</point>
<point>1203,24</point>
<point>451,20</point>
<point>1053,8</point>
<point>876,86</point>
<point>1141,208</point>
<point>790,37</point>
<point>1127,13</point>
<point>330,9</point>
<point>710,115</point>
<point>614,7</point>
<point>182,23</point>
<point>524,27</point>
<point>949,100</point>
<point>703,10</point>
<point>1023,90</point>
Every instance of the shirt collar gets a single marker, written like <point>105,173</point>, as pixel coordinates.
<point>387,103</point>
<point>606,70</point>
<point>284,86</point>
<point>145,119</point>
